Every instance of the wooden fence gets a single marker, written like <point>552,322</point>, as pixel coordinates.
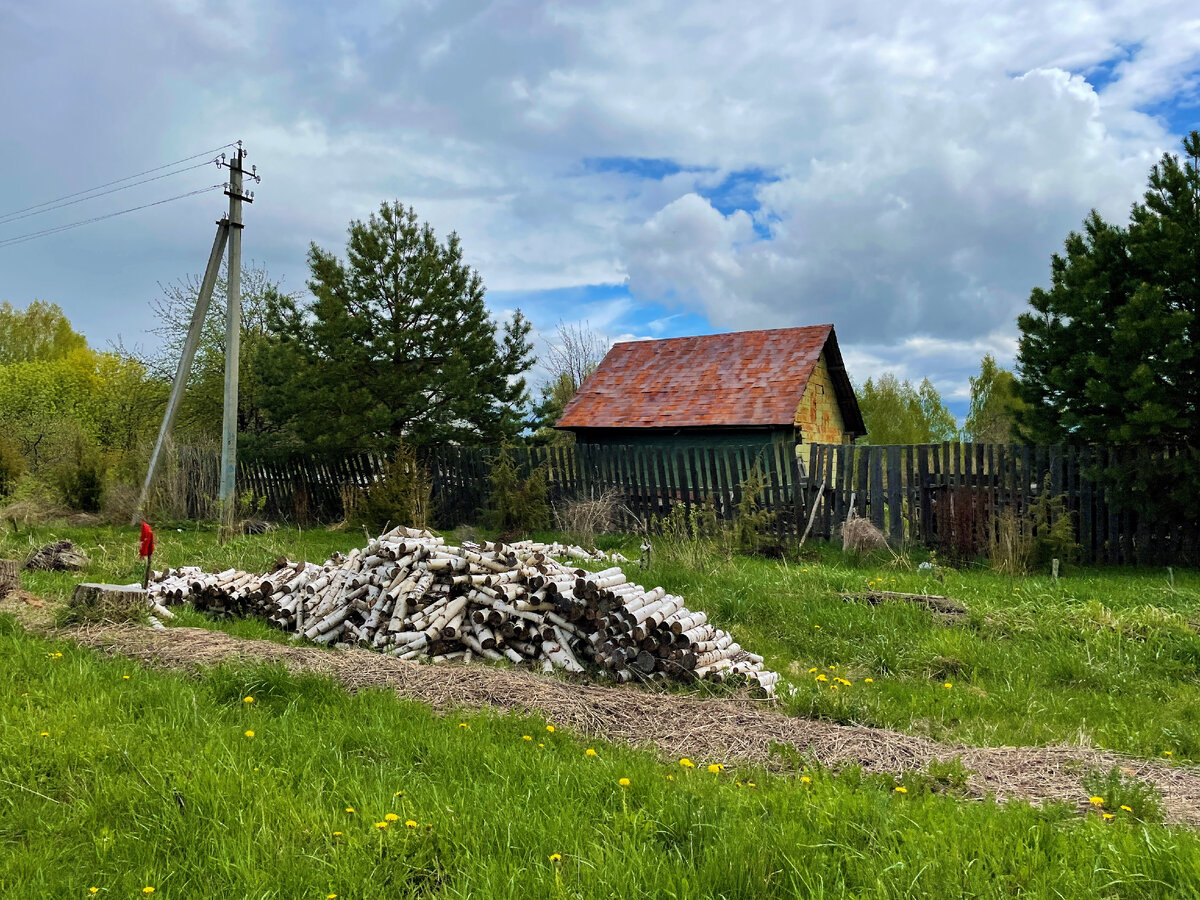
<point>949,496</point>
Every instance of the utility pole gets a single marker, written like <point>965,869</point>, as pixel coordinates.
<point>229,232</point>
<point>233,341</point>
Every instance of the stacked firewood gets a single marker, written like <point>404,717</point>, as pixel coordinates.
<point>411,595</point>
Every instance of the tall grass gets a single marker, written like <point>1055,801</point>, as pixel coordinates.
<point>121,778</point>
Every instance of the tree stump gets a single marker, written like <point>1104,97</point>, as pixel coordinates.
<point>108,603</point>
<point>8,576</point>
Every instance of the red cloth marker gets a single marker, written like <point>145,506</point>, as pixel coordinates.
<point>146,549</point>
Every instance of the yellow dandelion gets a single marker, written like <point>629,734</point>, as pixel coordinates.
<point>947,685</point>
<point>526,737</point>
<point>550,728</point>
<point>541,745</point>
<point>751,784</point>
<point>1108,815</point>
<point>670,778</point>
<point>331,897</point>
<point>1096,801</point>
<point>398,794</point>
<point>96,890</point>
<point>147,890</point>
<point>337,834</point>
<point>381,825</point>
<point>1126,808</point>
<point>409,823</point>
<point>715,768</point>
<point>45,734</point>
<point>868,681</point>
<point>392,817</point>
<point>813,669</point>
<point>247,699</point>
<point>832,668</point>
<point>249,734</point>
<point>804,779</point>
<point>623,782</point>
<point>816,626</point>
<point>589,752</point>
<point>822,677</point>
<point>901,790</point>
<point>687,763</point>
<point>463,725</point>
<point>126,677</point>
<point>349,809</point>
<point>555,857</point>
<point>835,687</point>
<point>1168,753</point>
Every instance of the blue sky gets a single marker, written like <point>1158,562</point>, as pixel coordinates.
<point>903,170</point>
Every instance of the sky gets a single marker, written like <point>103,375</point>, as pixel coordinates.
<point>903,170</point>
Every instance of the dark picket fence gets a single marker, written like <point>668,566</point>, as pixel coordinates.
<point>948,496</point>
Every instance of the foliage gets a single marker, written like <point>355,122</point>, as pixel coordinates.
<point>583,518</point>
<point>752,523</point>
<point>80,478</point>
<point>202,410</point>
<point>1108,353</point>
<point>401,498</point>
<point>1121,793</point>
<point>38,333</point>
<point>396,342</point>
<point>692,537</point>
<point>569,360</point>
<point>897,413</point>
<point>1052,527</point>
<point>516,505</point>
<point>12,465</point>
<point>996,404</point>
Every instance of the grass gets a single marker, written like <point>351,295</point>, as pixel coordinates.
<point>121,778</point>
<point>1101,657</point>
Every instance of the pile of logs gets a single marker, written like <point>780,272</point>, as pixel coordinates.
<point>411,595</point>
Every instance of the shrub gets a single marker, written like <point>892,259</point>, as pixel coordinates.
<point>401,497</point>
<point>582,519</point>
<point>751,524</point>
<point>12,465</point>
<point>516,504</point>
<point>80,479</point>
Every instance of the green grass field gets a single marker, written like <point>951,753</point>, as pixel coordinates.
<point>151,781</point>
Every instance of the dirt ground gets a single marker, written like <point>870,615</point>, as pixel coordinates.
<point>718,730</point>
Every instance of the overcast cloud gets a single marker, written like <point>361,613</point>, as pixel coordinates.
<point>903,170</point>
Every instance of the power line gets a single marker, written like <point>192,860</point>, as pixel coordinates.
<point>22,238</point>
<point>13,217</point>
<point>119,180</point>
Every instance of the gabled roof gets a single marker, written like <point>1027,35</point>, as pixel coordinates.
<point>746,378</point>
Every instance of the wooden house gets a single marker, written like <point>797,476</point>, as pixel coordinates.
<point>749,388</point>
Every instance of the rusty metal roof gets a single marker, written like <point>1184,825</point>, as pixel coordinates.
<point>746,378</point>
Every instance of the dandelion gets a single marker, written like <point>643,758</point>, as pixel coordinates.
<point>1096,801</point>
<point>813,669</point>
<point>947,685</point>
<point>623,782</point>
<point>247,700</point>
<point>832,668</point>
<point>392,817</point>
<point>350,809</point>
<point>816,626</point>
<point>331,897</point>
<point>550,728</point>
<point>45,734</point>
<point>526,737</point>
<point>147,890</point>
<point>715,768</point>
<point>822,677</point>
<point>409,823</point>
<point>541,745</point>
<point>555,857</point>
<point>1168,753</point>
<point>463,725</point>
<point>687,763</point>
<point>751,784</point>
<point>1126,808</point>
<point>804,779</point>
<point>381,825</point>
<point>1108,815</point>
<point>337,834</point>
<point>398,794</point>
<point>834,687</point>
<point>249,734</point>
<point>901,790</point>
<point>589,752</point>
<point>670,778</point>
<point>126,677</point>
<point>868,681</point>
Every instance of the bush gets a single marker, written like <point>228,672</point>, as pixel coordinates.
<point>80,479</point>
<point>12,465</point>
<point>751,524</point>
<point>515,504</point>
<point>401,497</point>
<point>582,519</point>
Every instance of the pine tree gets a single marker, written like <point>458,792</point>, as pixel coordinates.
<point>397,342</point>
